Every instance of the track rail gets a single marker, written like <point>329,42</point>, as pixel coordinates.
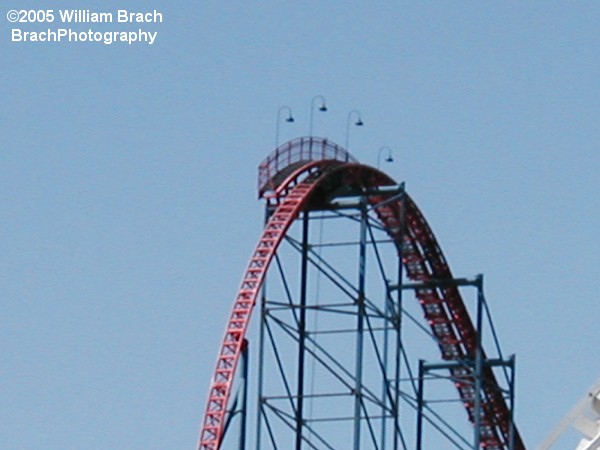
<point>424,261</point>
<point>220,390</point>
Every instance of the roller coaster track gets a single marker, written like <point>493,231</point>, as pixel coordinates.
<point>300,182</point>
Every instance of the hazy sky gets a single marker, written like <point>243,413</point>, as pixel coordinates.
<point>128,190</point>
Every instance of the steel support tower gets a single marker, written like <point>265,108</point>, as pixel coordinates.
<point>342,352</point>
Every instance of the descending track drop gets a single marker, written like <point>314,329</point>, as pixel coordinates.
<point>312,177</point>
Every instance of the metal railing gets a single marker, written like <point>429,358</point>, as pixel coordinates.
<point>293,154</point>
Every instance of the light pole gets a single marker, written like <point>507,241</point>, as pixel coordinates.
<point>358,123</point>
<point>289,118</point>
<point>389,157</point>
<point>322,108</point>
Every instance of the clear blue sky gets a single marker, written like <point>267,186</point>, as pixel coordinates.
<point>128,205</point>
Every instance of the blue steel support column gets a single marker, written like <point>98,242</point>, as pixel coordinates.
<point>261,351</point>
<point>244,407</point>
<point>398,360</point>
<point>478,363</point>
<point>398,321</point>
<point>360,324</point>
<point>261,355</point>
<point>385,381</point>
<point>420,404</point>
<point>511,434</point>
<point>302,333</point>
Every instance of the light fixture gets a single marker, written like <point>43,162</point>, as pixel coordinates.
<point>358,123</point>
<point>289,119</point>
<point>322,108</point>
<point>389,158</point>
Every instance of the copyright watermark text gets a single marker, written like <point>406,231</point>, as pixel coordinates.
<point>26,19</point>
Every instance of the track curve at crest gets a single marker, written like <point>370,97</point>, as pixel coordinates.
<point>443,308</point>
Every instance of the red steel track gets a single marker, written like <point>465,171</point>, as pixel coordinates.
<point>297,182</point>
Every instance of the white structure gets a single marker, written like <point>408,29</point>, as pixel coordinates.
<point>585,418</point>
